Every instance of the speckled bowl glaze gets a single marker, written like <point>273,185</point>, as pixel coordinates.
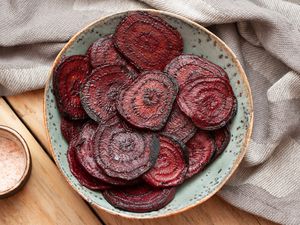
<point>199,41</point>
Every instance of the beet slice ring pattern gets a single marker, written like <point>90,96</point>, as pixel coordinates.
<point>67,80</point>
<point>124,153</point>
<point>147,41</point>
<point>185,67</point>
<point>101,91</point>
<point>171,165</point>
<point>85,155</point>
<point>201,149</point>
<point>179,125</point>
<point>142,198</point>
<point>70,128</point>
<point>222,139</point>
<point>147,102</point>
<point>209,102</point>
<point>80,173</point>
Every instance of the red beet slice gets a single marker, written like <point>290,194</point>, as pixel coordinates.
<point>209,102</point>
<point>67,80</point>
<point>222,138</point>
<point>70,128</point>
<point>147,102</point>
<point>179,125</point>
<point>103,52</point>
<point>85,155</point>
<point>80,173</point>
<point>123,152</point>
<point>101,90</point>
<point>201,148</point>
<point>140,198</point>
<point>171,165</point>
<point>186,67</point>
<point>147,41</point>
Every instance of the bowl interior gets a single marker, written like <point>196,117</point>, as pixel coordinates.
<point>199,41</point>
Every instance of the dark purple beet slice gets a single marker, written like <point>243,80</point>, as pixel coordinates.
<point>209,102</point>
<point>70,128</point>
<point>123,152</point>
<point>101,91</point>
<point>171,165</point>
<point>140,198</point>
<point>147,102</point>
<point>80,173</point>
<point>201,148</point>
<point>85,154</point>
<point>147,41</point>
<point>185,67</point>
<point>103,52</point>
<point>222,138</point>
<point>67,80</point>
<point>179,125</point>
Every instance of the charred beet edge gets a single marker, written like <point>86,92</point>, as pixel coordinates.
<point>80,173</point>
<point>101,91</point>
<point>147,102</point>
<point>70,128</point>
<point>179,125</point>
<point>125,153</point>
<point>201,148</point>
<point>67,80</point>
<point>186,67</point>
<point>147,41</point>
<point>171,166</point>
<point>209,102</point>
<point>85,154</point>
<point>141,198</point>
<point>222,139</point>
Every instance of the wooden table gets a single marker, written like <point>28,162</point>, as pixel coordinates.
<point>48,199</point>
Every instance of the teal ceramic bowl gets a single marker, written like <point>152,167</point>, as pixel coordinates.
<point>199,41</point>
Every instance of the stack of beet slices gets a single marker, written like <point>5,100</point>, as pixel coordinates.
<point>140,116</point>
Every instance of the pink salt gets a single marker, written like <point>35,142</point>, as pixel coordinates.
<point>12,163</point>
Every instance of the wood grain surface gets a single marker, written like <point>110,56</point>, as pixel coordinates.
<point>215,211</point>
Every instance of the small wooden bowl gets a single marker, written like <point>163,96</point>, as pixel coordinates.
<point>14,136</point>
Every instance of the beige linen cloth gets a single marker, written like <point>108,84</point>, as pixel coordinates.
<point>264,34</point>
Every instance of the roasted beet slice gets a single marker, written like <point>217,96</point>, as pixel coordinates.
<point>67,80</point>
<point>103,52</point>
<point>80,173</point>
<point>147,102</point>
<point>101,91</point>
<point>222,138</point>
<point>179,125</point>
<point>209,102</point>
<point>85,155</point>
<point>188,66</point>
<point>70,128</point>
<point>147,41</point>
<point>123,152</point>
<point>201,148</point>
<point>140,198</point>
<point>171,165</point>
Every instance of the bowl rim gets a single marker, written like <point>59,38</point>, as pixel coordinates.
<point>18,185</point>
<point>245,84</point>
